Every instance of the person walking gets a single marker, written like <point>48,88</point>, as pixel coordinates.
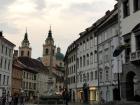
<point>65,96</point>
<point>21,100</point>
<point>3,100</point>
<point>10,100</point>
<point>15,100</point>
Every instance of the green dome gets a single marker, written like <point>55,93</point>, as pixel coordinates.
<point>59,56</point>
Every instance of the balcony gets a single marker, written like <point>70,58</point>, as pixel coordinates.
<point>135,56</point>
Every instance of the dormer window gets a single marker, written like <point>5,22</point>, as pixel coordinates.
<point>126,8</point>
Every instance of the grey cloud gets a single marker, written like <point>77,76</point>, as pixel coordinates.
<point>9,28</point>
<point>40,4</point>
<point>5,3</point>
<point>83,8</point>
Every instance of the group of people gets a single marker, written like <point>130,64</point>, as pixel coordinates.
<point>15,100</point>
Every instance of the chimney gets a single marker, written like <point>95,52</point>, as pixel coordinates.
<point>1,34</point>
<point>15,54</point>
<point>107,12</point>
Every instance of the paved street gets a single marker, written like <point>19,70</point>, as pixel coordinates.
<point>120,103</point>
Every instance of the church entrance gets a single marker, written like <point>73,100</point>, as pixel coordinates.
<point>130,86</point>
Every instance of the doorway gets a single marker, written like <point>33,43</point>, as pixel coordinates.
<point>130,86</point>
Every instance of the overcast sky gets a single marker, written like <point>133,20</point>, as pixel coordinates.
<point>67,17</point>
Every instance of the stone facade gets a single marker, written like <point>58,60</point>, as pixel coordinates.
<point>129,13</point>
<point>6,58</point>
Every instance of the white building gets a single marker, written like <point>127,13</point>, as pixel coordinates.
<point>87,64</point>
<point>129,21</point>
<point>6,58</point>
<point>108,66</point>
<point>71,70</point>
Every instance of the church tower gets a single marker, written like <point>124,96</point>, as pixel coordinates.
<point>49,50</point>
<point>25,49</point>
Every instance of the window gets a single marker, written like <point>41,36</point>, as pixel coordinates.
<point>24,75</point>
<point>7,80</point>
<point>87,59</point>
<point>127,40</point>
<point>91,76</point>
<point>136,5</point>
<point>84,60</point>
<point>84,45</point>
<point>1,62</point>
<point>87,44</point>
<point>77,63</point>
<point>106,56</point>
<point>9,52</point>
<point>107,75</point>
<point>5,64</point>
<point>95,41</point>
<point>95,57</point>
<point>34,77</point>
<point>87,76</point>
<point>2,48</point>
<point>100,57</point>
<point>101,75</point>
<point>28,53</point>
<point>47,51</point>
<point>80,61</point>
<point>74,69</point>
<point>96,75</point>
<point>3,79</point>
<point>126,10</point>
<point>84,78</point>
<point>0,79</point>
<point>91,58</point>
<point>80,77</point>
<point>22,53</point>
<point>9,65</point>
<point>6,50</point>
<point>138,42</point>
<point>91,41</point>
<point>74,79</point>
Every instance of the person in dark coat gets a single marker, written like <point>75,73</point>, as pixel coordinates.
<point>3,100</point>
<point>21,100</point>
<point>66,96</point>
<point>15,100</point>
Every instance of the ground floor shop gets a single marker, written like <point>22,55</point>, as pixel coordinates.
<point>92,94</point>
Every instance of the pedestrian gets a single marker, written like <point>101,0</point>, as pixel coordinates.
<point>15,100</point>
<point>10,100</point>
<point>21,100</point>
<point>65,96</point>
<point>3,100</point>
